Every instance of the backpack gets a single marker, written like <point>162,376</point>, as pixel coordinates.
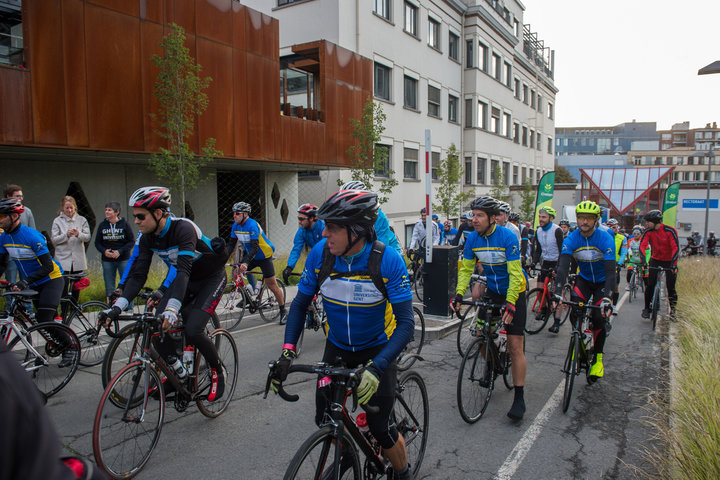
<point>326,269</point>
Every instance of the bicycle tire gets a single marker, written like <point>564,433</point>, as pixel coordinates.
<point>413,346</point>
<point>93,341</point>
<point>537,312</point>
<point>477,367</point>
<point>565,309</point>
<point>233,305</point>
<point>116,438</point>
<point>228,353</point>
<point>571,369</point>
<point>268,306</point>
<point>655,307</point>
<point>43,354</point>
<point>506,365</point>
<point>419,283</point>
<point>465,330</point>
<point>298,344</point>
<point>307,463</point>
<point>410,422</point>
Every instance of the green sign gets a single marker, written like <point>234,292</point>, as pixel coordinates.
<point>545,194</point>
<point>670,204</point>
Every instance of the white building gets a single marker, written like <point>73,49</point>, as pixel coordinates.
<point>469,71</point>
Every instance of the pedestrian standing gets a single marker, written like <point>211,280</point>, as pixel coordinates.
<point>114,240</point>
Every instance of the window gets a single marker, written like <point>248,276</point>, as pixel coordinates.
<point>382,8</point>
<point>506,172</point>
<point>516,27</point>
<point>434,164</point>
<point>411,92</point>
<point>483,57</point>
<point>433,101</point>
<point>539,104</point>
<point>517,88</point>
<point>532,98</point>
<point>516,132</point>
<point>532,139</point>
<point>551,113</point>
<point>508,75</point>
<point>382,81</point>
<point>468,170</point>
<point>538,141</point>
<point>410,163</point>
<point>497,67</point>
<point>507,125</point>
<point>481,166</point>
<point>309,175</point>
<point>434,33</point>
<point>549,145</point>
<point>495,124</point>
<point>525,98</point>
<point>286,2</point>
<point>468,113</point>
<point>452,108</point>
<point>297,92</point>
<point>469,54</point>
<point>524,174</point>
<point>411,18</point>
<point>494,170</point>
<point>515,175</point>
<point>382,169</point>
<point>482,114</point>
<point>453,43</point>
<point>524,136</point>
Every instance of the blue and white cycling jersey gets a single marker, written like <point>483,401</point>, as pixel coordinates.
<point>305,236</point>
<point>24,246</point>
<point>590,253</point>
<point>251,230</point>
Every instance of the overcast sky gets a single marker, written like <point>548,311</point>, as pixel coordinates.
<point>619,60</point>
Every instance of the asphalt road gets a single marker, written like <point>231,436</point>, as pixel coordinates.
<point>603,434</point>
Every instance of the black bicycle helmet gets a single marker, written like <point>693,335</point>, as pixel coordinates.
<point>564,222</point>
<point>654,216</point>
<point>514,217</point>
<point>11,205</point>
<point>151,198</point>
<point>487,204</point>
<point>350,207</point>
<point>242,207</point>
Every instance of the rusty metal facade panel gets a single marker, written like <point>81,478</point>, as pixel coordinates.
<point>73,41</point>
<point>150,36</point>
<point>215,57</point>
<point>15,125</point>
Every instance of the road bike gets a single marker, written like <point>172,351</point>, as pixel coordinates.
<point>39,347</point>
<point>130,415</point>
<point>415,272</point>
<point>483,361</point>
<point>656,302</point>
<point>466,325</point>
<point>636,282</point>
<point>340,449</point>
<point>412,349</point>
<point>538,302</point>
<point>239,295</point>
<point>315,319</point>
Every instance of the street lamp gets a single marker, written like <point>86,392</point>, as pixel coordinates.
<point>707,70</point>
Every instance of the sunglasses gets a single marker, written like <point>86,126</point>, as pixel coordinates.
<point>302,219</point>
<point>140,216</point>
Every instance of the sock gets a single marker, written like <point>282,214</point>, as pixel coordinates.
<point>519,391</point>
<point>615,296</point>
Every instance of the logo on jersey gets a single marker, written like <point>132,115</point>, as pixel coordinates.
<point>404,282</point>
<point>514,250</point>
<point>609,251</point>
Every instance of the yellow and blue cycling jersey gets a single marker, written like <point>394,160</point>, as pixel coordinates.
<point>358,314</point>
<point>24,246</point>
<point>251,230</point>
<point>590,253</point>
<point>499,254</point>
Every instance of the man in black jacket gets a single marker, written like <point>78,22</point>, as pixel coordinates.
<point>114,240</point>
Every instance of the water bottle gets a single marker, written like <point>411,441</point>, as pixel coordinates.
<point>588,339</point>
<point>189,357</point>
<point>258,284</point>
<point>361,422</point>
<point>502,340</point>
<point>177,365</point>
<point>249,289</point>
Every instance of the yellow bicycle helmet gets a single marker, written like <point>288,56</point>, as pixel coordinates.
<point>549,210</point>
<point>588,207</point>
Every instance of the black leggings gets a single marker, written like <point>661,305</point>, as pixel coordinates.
<point>585,291</point>
<point>384,398</point>
<point>48,299</point>
<point>670,279</point>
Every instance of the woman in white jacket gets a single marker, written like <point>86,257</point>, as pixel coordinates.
<point>70,232</point>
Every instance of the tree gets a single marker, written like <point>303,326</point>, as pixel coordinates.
<point>449,193</point>
<point>562,175</point>
<point>499,189</point>
<point>527,202</point>
<point>179,89</point>
<point>368,159</point>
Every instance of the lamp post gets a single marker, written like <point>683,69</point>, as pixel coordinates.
<point>707,70</point>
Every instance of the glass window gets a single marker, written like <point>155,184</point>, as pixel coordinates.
<point>433,101</point>
<point>434,163</point>
<point>526,94</point>
<point>551,113</point>
<point>532,139</point>
<point>382,8</point>
<point>524,136</point>
<point>468,170</point>
<point>481,166</point>
<point>482,114</point>
<point>495,124</point>
<point>469,54</point>
<point>550,145</point>
<point>410,163</point>
<point>508,75</point>
<point>383,152</point>
<point>297,90</point>
<point>411,92</point>
<point>538,141</point>
<point>517,88</point>
<point>497,67</point>
<point>539,104</point>
<point>507,124</point>
<point>516,132</point>
<point>411,18</point>
<point>532,98</point>
<point>452,108</point>
<point>434,33</point>
<point>494,166</point>
<point>483,57</point>
<point>453,41</point>
<point>468,113</point>
<point>382,81</point>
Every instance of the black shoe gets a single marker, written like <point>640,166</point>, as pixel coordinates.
<point>645,313</point>
<point>485,381</point>
<point>68,357</point>
<point>555,328</point>
<point>404,474</point>
<point>217,384</point>
<point>518,409</point>
<point>283,317</point>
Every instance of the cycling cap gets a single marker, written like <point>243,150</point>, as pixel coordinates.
<point>11,205</point>
<point>448,223</point>
<point>588,207</point>
<point>654,216</point>
<point>549,210</point>
<point>504,207</point>
<point>350,207</point>
<point>487,204</point>
<point>564,222</point>
<point>354,185</point>
<point>612,221</point>
<point>242,207</point>
<point>152,198</point>
<point>308,209</point>
<point>514,217</point>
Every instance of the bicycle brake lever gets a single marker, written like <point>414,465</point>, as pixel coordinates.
<point>271,366</point>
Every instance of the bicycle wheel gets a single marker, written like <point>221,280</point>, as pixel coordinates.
<point>411,415</point>
<point>269,308</point>
<point>564,308</point>
<point>506,364</point>
<point>419,283</point>
<point>415,345</point>
<point>316,457</point>
<point>233,306</point>
<point>298,344</point>
<point>227,351</point>
<point>571,368</point>
<point>475,381</point>
<point>92,339</point>
<point>466,329</point>
<point>40,350</point>
<point>538,311</point>
<point>655,306</point>
<point>120,352</point>
<point>124,436</point>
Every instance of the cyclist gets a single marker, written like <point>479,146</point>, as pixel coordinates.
<point>464,229</point>
<point>711,242</point>
<point>621,247</point>
<point>663,240</point>
<point>198,284</point>
<point>28,249</point>
<point>594,251</point>
<point>308,234</point>
<point>449,232</point>
<point>548,244</point>
<point>565,227</point>
<point>527,239</point>
<point>258,251</point>
<point>695,243</point>
<point>503,219</point>
<point>382,225</point>
<point>497,249</point>
<point>366,326</point>
<point>633,254</point>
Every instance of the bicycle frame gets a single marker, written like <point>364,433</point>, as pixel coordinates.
<point>9,321</point>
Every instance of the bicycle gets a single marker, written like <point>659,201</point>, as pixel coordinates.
<point>466,327</point>
<point>538,303</point>
<point>130,414</point>
<point>239,294</point>
<point>656,301</point>
<point>316,319</point>
<point>412,349</point>
<point>415,272</point>
<point>636,282</point>
<point>39,348</point>
<point>482,362</point>
<point>580,350</point>
<point>339,435</point>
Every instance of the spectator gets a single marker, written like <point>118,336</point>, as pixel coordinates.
<point>114,240</point>
<point>26,218</point>
<point>70,232</point>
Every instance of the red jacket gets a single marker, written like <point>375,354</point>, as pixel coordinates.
<point>664,244</point>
